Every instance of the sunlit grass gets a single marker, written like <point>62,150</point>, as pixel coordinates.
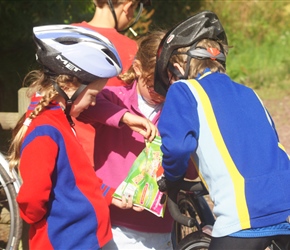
<point>260,57</point>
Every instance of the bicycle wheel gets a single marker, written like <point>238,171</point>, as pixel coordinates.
<point>10,221</point>
<point>196,208</point>
<point>194,241</point>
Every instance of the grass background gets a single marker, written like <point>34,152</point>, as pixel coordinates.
<point>260,35</point>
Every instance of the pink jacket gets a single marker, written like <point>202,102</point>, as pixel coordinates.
<point>116,148</point>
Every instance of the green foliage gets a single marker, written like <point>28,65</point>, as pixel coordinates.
<point>258,31</point>
<point>170,12</point>
<point>259,34</point>
<point>17,17</point>
<point>143,24</point>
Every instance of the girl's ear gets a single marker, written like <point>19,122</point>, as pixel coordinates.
<point>137,68</point>
<point>179,68</point>
<point>127,6</point>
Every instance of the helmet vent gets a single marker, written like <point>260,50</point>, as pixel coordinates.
<point>67,40</point>
<point>110,61</point>
<point>110,55</point>
<point>186,33</point>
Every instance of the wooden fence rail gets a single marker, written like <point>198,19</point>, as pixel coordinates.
<point>8,120</point>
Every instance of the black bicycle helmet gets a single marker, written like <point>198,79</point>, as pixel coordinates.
<point>204,25</point>
<point>76,51</point>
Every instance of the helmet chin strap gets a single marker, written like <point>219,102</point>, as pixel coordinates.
<point>135,21</point>
<point>116,21</point>
<point>113,12</point>
<point>68,101</point>
<point>175,71</point>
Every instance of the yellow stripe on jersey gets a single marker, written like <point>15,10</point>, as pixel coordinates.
<point>238,180</point>
<point>198,171</point>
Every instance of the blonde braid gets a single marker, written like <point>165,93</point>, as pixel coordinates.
<point>16,142</point>
<point>45,100</point>
<point>42,83</point>
<point>129,76</point>
<point>39,82</point>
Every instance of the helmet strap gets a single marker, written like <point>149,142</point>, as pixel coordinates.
<point>113,13</point>
<point>135,21</point>
<point>186,72</point>
<point>199,53</point>
<point>175,71</point>
<point>68,101</point>
<point>116,21</point>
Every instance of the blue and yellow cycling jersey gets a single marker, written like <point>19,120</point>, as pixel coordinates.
<point>230,135</point>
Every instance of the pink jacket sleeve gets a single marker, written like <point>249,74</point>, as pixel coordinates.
<point>108,110</point>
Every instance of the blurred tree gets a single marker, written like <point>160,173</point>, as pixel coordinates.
<point>170,12</point>
<point>17,17</point>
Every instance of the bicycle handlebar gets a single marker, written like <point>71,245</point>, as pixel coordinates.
<point>195,187</point>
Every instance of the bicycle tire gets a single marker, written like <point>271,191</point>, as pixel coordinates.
<point>194,241</point>
<point>10,221</point>
<point>201,241</point>
<point>196,208</point>
<point>187,208</point>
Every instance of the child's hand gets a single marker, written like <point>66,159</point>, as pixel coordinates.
<point>141,125</point>
<point>126,204</point>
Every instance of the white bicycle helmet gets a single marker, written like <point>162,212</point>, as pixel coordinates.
<point>76,51</point>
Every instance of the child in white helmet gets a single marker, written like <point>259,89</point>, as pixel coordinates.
<point>61,198</point>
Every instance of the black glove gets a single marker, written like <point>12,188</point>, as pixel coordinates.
<point>171,187</point>
<point>166,185</point>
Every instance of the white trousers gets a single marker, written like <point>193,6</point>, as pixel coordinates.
<point>125,238</point>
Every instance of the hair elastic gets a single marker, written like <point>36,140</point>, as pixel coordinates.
<point>27,122</point>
